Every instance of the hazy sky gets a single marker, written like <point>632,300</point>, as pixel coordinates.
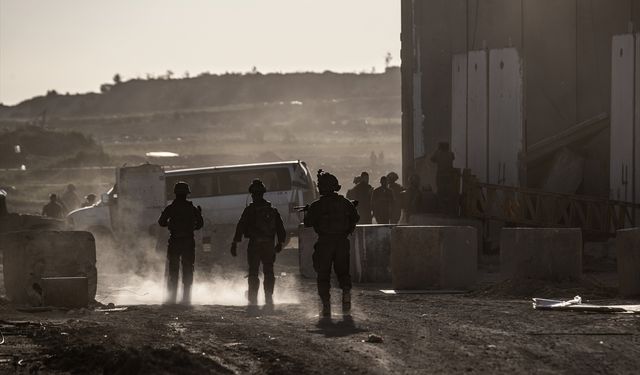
<point>75,45</point>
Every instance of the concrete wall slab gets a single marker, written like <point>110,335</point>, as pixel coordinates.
<point>32,255</point>
<point>552,254</point>
<point>427,257</point>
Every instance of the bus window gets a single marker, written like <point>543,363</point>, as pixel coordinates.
<point>204,185</point>
<point>275,179</point>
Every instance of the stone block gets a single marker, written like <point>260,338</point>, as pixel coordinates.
<point>628,259</point>
<point>430,257</point>
<point>552,254</point>
<point>371,254</point>
<point>306,239</point>
<point>71,292</point>
<point>449,221</point>
<point>32,255</point>
<point>370,249</point>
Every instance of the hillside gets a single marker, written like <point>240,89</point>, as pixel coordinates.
<point>205,91</point>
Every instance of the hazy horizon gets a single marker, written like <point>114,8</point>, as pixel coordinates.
<point>71,46</point>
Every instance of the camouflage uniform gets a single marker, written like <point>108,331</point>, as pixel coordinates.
<point>182,218</point>
<point>260,223</point>
<point>333,217</point>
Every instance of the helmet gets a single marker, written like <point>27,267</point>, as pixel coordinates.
<point>257,187</point>
<point>327,182</point>
<point>181,188</point>
<point>90,197</point>
<point>393,176</point>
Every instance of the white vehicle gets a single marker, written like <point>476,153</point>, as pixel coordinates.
<point>136,201</point>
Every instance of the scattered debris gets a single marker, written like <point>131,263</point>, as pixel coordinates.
<point>444,291</point>
<point>111,309</point>
<point>576,304</point>
<point>375,339</point>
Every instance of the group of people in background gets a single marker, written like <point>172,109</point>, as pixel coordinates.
<point>384,203</point>
<point>59,206</point>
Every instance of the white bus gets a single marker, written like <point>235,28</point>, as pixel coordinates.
<point>136,201</point>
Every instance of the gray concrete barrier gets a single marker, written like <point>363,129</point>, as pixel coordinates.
<point>628,259</point>
<point>552,254</point>
<point>448,221</point>
<point>306,239</point>
<point>370,253</point>
<point>428,257</point>
<point>32,255</point>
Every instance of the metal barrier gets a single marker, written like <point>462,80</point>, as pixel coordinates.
<point>536,208</point>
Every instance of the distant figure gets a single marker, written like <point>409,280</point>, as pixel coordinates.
<point>260,223</point>
<point>413,201</point>
<point>396,189</point>
<point>89,200</point>
<point>182,218</point>
<point>373,159</point>
<point>70,199</point>
<point>362,193</point>
<point>3,204</point>
<point>333,218</point>
<point>443,158</point>
<point>381,158</point>
<point>382,201</point>
<point>53,208</point>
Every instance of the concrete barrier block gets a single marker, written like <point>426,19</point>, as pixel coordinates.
<point>69,292</point>
<point>449,221</point>
<point>370,249</point>
<point>307,237</point>
<point>427,257</point>
<point>371,254</point>
<point>32,255</point>
<point>552,254</point>
<point>628,259</point>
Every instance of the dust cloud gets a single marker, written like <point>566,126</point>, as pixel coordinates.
<point>137,276</point>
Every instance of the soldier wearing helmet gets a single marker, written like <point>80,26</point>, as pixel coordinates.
<point>70,199</point>
<point>362,193</point>
<point>53,209</point>
<point>89,200</point>
<point>262,225</point>
<point>396,189</point>
<point>182,218</point>
<point>334,218</point>
<point>3,203</point>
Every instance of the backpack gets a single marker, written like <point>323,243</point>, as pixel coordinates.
<point>334,216</point>
<point>264,221</point>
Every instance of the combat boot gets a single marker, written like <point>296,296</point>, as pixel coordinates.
<point>346,302</point>
<point>186,296</point>
<point>325,311</point>
<point>268,302</point>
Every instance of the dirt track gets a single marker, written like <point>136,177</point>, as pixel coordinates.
<point>475,333</point>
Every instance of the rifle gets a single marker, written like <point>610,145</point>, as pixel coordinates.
<point>306,207</point>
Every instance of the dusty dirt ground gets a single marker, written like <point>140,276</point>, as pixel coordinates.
<point>491,330</point>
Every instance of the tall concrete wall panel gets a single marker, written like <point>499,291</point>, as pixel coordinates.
<point>33,255</point>
<point>628,260</point>
<point>566,47</point>
<point>552,254</point>
<point>622,107</point>
<point>424,257</point>
<point>459,110</point>
<point>478,115</point>
<point>505,116</point>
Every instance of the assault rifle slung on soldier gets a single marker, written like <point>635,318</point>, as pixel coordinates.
<point>306,208</point>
